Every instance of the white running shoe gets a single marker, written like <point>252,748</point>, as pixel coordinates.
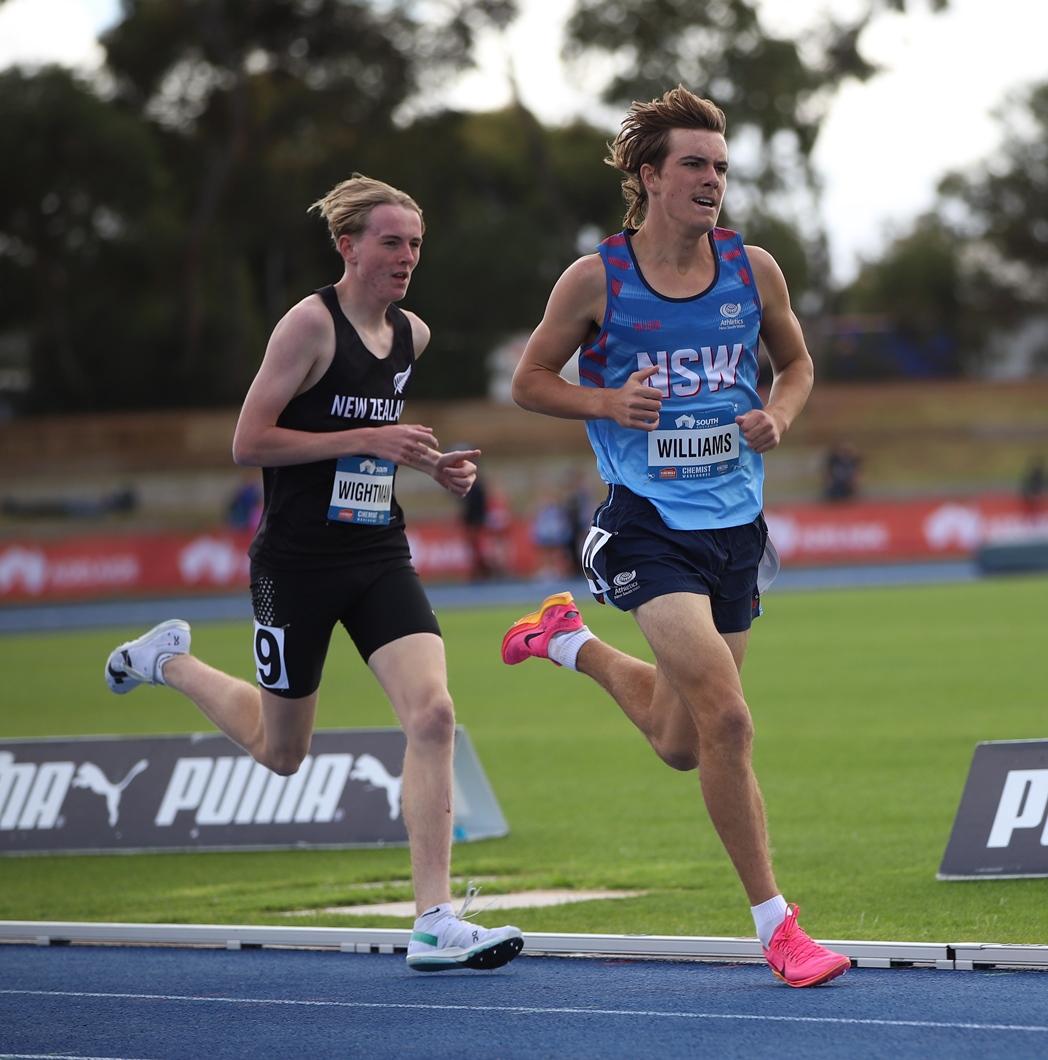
<point>448,941</point>
<point>139,662</point>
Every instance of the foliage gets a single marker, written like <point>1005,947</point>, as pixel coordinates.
<point>148,256</point>
<point>918,289</point>
<point>240,113</point>
<point>79,236</point>
<point>772,89</point>
<point>979,264</point>
<point>868,705</point>
<point>1006,200</point>
<point>257,97</point>
<point>1001,213</point>
<point>504,201</point>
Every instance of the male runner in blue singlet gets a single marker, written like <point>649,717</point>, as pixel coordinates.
<point>321,420</point>
<point>667,318</point>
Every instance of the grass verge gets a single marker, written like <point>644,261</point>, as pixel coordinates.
<point>868,705</point>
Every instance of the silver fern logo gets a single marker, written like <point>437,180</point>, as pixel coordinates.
<point>400,380</point>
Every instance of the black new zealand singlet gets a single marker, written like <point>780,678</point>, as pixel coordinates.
<point>358,390</point>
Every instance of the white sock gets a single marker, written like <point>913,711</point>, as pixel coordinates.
<point>564,647</point>
<point>768,916</point>
<point>160,662</point>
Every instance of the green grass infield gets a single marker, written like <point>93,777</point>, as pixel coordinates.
<point>868,705</point>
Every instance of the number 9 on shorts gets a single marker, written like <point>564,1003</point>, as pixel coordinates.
<point>269,656</point>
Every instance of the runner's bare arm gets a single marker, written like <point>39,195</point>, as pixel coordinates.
<point>792,368</point>
<point>573,317</point>
<point>299,353</point>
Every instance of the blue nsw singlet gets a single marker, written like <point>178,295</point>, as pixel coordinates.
<point>695,467</point>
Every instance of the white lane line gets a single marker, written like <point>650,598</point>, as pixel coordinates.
<point>62,1056</point>
<point>536,1010</point>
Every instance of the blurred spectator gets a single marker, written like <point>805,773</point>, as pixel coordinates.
<point>551,534</point>
<point>498,523</point>
<point>475,512</point>
<point>578,510</point>
<point>841,473</point>
<point>245,506</point>
<point>1033,485</point>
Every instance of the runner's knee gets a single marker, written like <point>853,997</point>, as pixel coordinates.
<point>284,761</point>
<point>727,727</point>
<point>432,721</point>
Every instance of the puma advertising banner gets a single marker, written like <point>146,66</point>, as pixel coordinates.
<point>1001,830</point>
<point>202,792</point>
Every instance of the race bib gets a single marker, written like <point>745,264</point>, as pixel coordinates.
<point>362,491</point>
<point>686,445</point>
<point>270,670</point>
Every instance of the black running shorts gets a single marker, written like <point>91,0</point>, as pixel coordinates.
<point>296,610</point>
<point>631,556</point>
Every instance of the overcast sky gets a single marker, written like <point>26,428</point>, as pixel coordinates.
<point>883,147</point>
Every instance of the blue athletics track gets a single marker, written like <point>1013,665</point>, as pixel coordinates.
<point>191,1003</point>
<point>201,998</point>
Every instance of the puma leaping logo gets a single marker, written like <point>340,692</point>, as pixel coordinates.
<point>91,777</point>
<point>368,768</point>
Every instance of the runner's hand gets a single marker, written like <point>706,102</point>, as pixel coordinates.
<point>636,403</point>
<point>456,471</point>
<point>761,431</point>
<point>405,443</point>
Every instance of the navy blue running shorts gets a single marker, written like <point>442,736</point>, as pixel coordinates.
<point>296,611</point>
<point>631,556</point>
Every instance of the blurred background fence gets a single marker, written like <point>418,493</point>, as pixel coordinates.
<point>96,505</point>
<point>155,227</point>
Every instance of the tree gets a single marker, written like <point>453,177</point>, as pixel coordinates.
<point>253,98</point>
<point>909,310</point>
<point>1001,213</point>
<point>79,238</point>
<point>976,268</point>
<point>506,202</point>
<point>775,92</point>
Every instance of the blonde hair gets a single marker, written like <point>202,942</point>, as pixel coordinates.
<point>644,140</point>
<point>347,207</point>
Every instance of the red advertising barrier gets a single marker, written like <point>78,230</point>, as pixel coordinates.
<point>213,561</point>
<point>869,531</point>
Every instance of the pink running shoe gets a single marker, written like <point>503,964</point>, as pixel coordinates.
<point>529,636</point>
<point>797,959</point>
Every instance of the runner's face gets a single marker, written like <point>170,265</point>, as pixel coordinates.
<point>386,252</point>
<point>689,186</point>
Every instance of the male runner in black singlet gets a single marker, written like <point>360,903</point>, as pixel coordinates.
<point>321,420</point>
